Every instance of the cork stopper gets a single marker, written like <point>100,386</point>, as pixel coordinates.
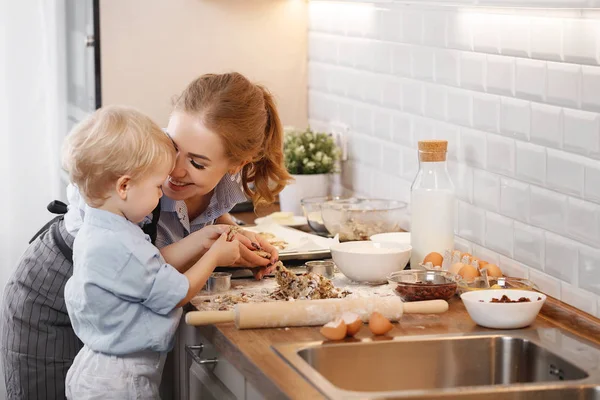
<point>432,150</point>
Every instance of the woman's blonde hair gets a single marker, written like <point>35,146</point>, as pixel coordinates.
<point>112,142</point>
<point>244,115</point>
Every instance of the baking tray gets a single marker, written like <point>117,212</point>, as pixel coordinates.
<point>301,245</point>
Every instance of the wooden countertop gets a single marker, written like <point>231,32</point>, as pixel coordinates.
<point>250,350</point>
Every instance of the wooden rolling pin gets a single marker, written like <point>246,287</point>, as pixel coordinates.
<point>312,312</point>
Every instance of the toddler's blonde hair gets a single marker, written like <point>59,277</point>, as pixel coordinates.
<point>112,142</point>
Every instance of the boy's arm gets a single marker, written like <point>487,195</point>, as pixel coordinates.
<point>197,275</point>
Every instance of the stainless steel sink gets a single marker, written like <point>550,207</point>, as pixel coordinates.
<point>526,364</point>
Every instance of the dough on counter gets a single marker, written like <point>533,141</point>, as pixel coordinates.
<point>304,287</point>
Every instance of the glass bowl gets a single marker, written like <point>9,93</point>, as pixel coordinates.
<point>312,211</point>
<point>502,282</point>
<point>358,219</point>
<point>417,285</point>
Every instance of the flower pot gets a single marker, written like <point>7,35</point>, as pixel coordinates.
<point>304,186</point>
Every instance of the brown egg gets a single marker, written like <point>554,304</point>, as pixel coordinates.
<point>493,270</point>
<point>456,267</point>
<point>466,254</point>
<point>353,323</point>
<point>379,325</point>
<point>435,258</point>
<point>334,330</point>
<point>469,272</point>
<point>482,264</point>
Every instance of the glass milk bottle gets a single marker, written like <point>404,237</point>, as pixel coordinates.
<point>432,203</point>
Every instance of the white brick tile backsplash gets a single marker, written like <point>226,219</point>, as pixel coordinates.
<point>472,148</point>
<point>410,164</point>
<point>513,268</point>
<point>382,124</point>
<point>514,91</point>
<point>565,172</point>
<point>459,106</point>
<point>486,112</point>
<point>422,63</point>
<point>529,245</point>
<point>471,223</point>
<point>500,76</point>
<point>515,118</point>
<point>451,133</point>
<point>392,93</point>
<point>486,190</point>
<point>581,132</point>
<point>462,177</point>
<point>412,27</point>
<point>472,71</point>
<point>423,129</point>
<point>514,199</point>
<point>486,35</point>
<point>548,209</point>
<point>392,159</point>
<point>501,154</point>
<point>402,129</point>
<point>589,269</point>
<point>382,57</point>
<point>590,87</point>
<point>401,60</point>
<point>412,96</point>
<point>347,52</point>
<point>531,162</point>
<point>591,189</point>
<point>446,67</point>
<point>546,38</point>
<point>499,234</point>
<point>563,84</point>
<point>373,88</point>
<point>546,125</point>
<point>363,119</point>
<point>391,27</point>
<point>561,257</point>
<point>530,81</point>
<point>459,32</point>
<point>575,297</point>
<point>514,36</point>
<point>434,28</point>
<point>435,101</point>
<point>580,40</point>
<point>547,284</point>
<point>583,221</point>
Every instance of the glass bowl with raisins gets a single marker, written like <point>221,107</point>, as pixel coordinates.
<point>419,285</point>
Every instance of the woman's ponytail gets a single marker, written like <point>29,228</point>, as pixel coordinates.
<point>268,171</point>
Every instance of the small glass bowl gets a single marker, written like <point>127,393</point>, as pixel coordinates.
<point>502,282</point>
<point>418,285</point>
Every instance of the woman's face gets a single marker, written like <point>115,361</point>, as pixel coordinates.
<point>201,160</point>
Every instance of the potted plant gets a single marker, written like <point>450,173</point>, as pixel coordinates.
<point>310,157</point>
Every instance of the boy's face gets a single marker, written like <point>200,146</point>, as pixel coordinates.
<point>201,160</point>
<point>143,195</point>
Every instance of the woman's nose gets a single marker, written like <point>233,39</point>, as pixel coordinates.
<point>179,170</point>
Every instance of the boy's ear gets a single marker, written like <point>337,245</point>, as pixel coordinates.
<point>122,186</point>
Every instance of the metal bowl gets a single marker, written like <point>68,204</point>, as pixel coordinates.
<point>324,267</point>
<point>413,285</point>
<point>218,282</point>
<point>358,219</point>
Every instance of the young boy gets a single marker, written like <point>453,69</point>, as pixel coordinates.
<point>123,298</point>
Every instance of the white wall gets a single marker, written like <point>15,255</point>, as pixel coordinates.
<point>516,93</point>
<point>151,49</point>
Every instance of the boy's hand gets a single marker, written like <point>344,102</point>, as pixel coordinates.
<point>225,253</point>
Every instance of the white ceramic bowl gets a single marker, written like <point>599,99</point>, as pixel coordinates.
<point>392,237</point>
<point>370,262</point>
<point>503,315</point>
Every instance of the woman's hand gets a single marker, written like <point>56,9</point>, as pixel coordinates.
<point>260,243</point>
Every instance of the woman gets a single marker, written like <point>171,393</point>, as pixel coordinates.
<point>218,121</point>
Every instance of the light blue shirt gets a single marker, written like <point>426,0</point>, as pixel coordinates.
<point>122,295</point>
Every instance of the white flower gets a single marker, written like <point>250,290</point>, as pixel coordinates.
<point>299,152</point>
